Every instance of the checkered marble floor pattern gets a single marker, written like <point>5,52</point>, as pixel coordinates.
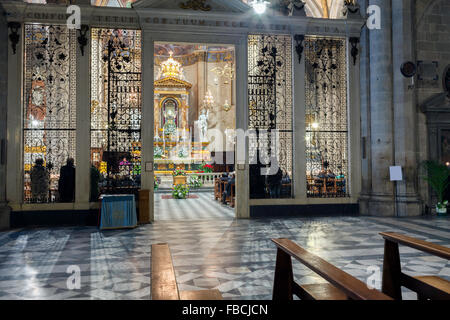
<point>235,256</point>
<point>202,208</point>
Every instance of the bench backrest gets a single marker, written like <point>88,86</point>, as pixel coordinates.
<point>421,245</point>
<point>351,286</point>
<point>164,284</point>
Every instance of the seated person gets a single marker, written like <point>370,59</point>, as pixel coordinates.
<point>274,182</point>
<point>40,178</point>
<point>66,184</point>
<point>227,192</point>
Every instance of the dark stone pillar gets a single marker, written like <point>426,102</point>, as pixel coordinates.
<point>380,198</point>
<point>405,113</point>
<point>4,209</point>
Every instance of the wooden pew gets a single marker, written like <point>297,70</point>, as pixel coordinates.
<point>229,199</point>
<point>219,188</point>
<point>217,194</point>
<point>340,286</point>
<point>427,287</point>
<point>164,283</point>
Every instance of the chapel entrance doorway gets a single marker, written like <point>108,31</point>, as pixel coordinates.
<point>194,131</point>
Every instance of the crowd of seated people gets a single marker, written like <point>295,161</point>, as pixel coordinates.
<point>326,183</point>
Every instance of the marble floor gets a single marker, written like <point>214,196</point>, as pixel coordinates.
<point>235,256</point>
<point>202,208</point>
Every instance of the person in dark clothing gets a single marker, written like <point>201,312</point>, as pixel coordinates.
<point>40,178</point>
<point>66,185</point>
<point>227,192</point>
<point>274,182</point>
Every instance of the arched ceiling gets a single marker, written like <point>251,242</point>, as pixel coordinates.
<point>331,9</point>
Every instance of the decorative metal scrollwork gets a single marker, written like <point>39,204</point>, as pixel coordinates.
<point>196,5</point>
<point>116,107</point>
<point>270,103</point>
<point>326,117</point>
<point>49,105</point>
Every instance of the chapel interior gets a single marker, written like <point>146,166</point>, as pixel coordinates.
<point>225,150</point>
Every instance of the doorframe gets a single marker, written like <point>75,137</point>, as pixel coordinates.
<point>242,209</point>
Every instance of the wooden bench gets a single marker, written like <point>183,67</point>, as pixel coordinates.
<point>426,287</point>
<point>340,285</point>
<point>164,283</point>
<point>217,194</point>
<point>229,199</point>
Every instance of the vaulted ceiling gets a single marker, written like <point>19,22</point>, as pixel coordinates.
<point>331,9</point>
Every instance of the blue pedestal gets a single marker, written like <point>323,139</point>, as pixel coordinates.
<point>118,211</point>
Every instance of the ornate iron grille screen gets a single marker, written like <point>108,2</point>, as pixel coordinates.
<point>49,115</point>
<point>116,109</point>
<point>326,117</point>
<point>270,109</point>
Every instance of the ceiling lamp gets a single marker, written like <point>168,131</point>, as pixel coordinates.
<point>259,6</point>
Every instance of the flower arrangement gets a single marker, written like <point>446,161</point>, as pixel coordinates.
<point>178,172</point>
<point>195,182</point>
<point>180,191</point>
<point>207,168</point>
<point>158,152</point>
<point>124,162</point>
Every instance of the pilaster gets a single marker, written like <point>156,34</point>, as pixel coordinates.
<point>381,197</point>
<point>405,115</point>
<point>4,209</point>
<point>147,122</point>
<point>83,132</point>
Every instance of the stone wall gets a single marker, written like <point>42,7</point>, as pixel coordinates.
<point>433,38</point>
<point>432,44</point>
<point>388,112</point>
<point>4,212</point>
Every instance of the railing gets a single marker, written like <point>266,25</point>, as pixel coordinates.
<point>208,179</point>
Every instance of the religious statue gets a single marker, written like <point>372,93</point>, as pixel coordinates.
<point>203,125</point>
<point>170,126</point>
<point>295,8</point>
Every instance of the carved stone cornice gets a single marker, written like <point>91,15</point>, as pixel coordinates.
<point>172,82</point>
<point>196,5</point>
<point>439,103</point>
<point>172,20</point>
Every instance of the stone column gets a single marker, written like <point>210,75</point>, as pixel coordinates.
<point>147,121</point>
<point>299,175</point>
<point>83,154</point>
<point>242,167</point>
<point>405,115</point>
<point>366,164</point>
<point>14,157</point>
<point>381,195</point>
<point>4,209</point>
